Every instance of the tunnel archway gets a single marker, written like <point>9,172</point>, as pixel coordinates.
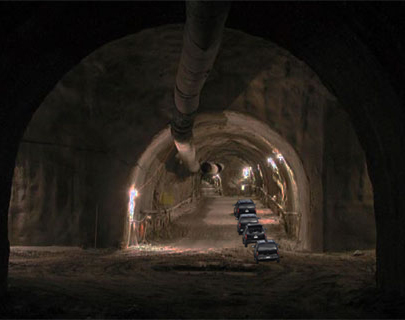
<point>271,85</point>
<point>374,93</point>
<point>213,135</point>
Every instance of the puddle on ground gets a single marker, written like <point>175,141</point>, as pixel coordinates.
<point>213,268</point>
<point>229,273</point>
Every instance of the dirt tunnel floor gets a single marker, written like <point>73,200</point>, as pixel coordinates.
<point>203,273</point>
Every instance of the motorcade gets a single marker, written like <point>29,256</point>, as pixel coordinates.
<point>253,232</point>
<point>266,250</point>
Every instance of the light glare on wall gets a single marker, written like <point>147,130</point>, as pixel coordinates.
<point>272,163</point>
<point>280,157</point>
<point>246,172</point>
<point>133,193</point>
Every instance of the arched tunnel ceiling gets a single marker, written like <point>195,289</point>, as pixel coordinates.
<point>221,145</point>
<point>216,135</point>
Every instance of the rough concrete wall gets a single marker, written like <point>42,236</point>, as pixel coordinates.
<point>231,176</point>
<point>349,213</point>
<point>42,205</point>
<point>230,179</point>
<point>56,193</point>
<point>168,184</point>
<point>171,191</point>
<point>165,189</point>
<point>98,119</point>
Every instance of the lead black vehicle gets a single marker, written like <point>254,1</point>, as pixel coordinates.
<point>244,219</point>
<point>253,233</point>
<point>244,206</point>
<point>266,250</point>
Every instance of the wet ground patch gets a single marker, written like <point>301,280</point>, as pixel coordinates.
<point>202,267</point>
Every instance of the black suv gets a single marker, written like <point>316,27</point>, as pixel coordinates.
<point>266,250</point>
<point>253,233</point>
<point>244,219</point>
<point>244,206</point>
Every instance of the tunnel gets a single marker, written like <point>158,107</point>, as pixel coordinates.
<point>98,172</point>
<point>236,148</point>
<point>100,147</point>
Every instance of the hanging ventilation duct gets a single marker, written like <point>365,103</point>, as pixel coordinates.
<point>202,37</point>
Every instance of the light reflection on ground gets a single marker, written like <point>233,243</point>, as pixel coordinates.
<point>158,249</point>
<point>264,211</point>
<point>269,221</point>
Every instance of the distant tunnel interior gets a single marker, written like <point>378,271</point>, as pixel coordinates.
<point>98,151</point>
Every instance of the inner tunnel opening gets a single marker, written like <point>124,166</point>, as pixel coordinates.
<point>252,166</point>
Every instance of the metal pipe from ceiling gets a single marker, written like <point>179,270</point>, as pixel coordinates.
<point>202,37</point>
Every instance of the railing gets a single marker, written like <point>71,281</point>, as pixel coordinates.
<point>167,211</point>
<point>269,201</point>
<point>289,219</point>
<point>155,222</point>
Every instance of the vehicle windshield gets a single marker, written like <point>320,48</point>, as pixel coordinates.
<point>247,216</point>
<point>267,246</point>
<point>246,201</point>
<point>256,229</point>
<point>246,206</point>
<point>268,251</point>
<point>249,220</point>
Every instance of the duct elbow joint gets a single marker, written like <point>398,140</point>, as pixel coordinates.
<point>188,155</point>
<point>211,168</point>
<point>182,126</point>
<point>182,133</point>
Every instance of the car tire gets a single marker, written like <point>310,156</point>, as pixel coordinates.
<point>257,261</point>
<point>245,245</point>
<point>278,260</point>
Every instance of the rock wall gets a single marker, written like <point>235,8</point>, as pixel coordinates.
<point>349,213</point>
<point>167,184</point>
